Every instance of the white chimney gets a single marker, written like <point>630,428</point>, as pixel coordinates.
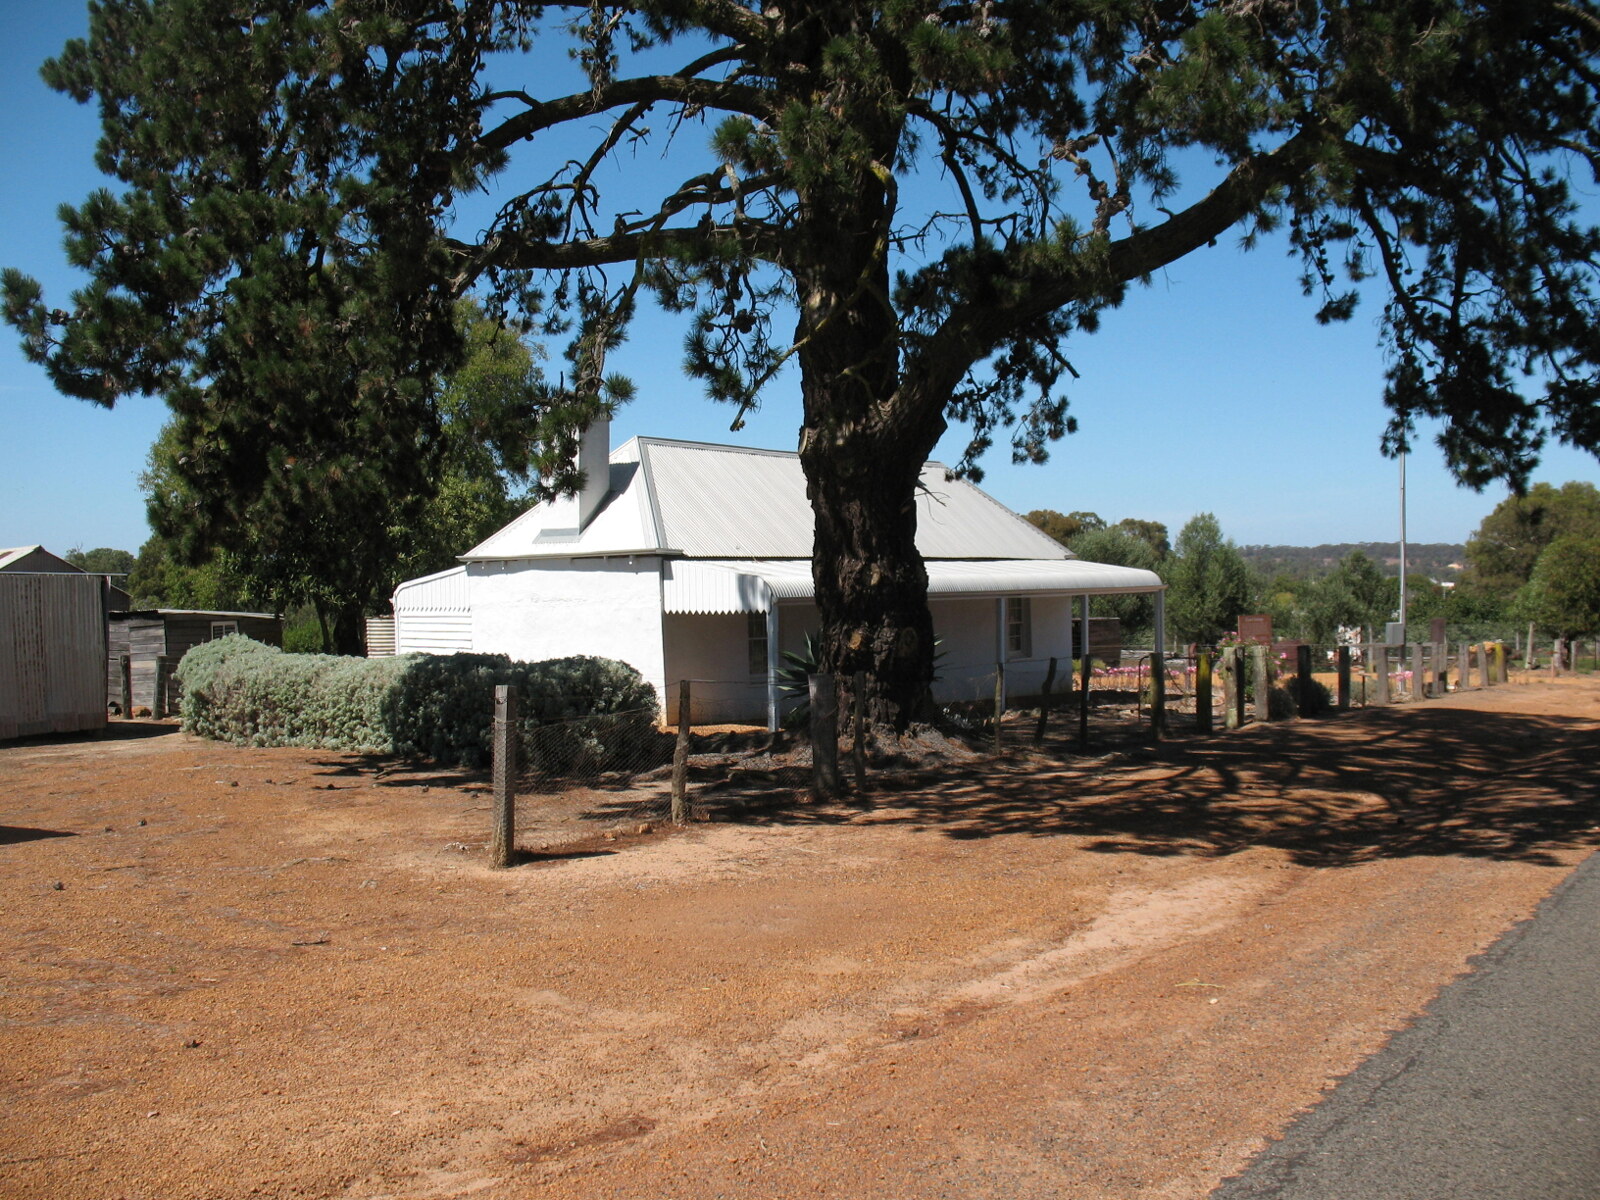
<point>594,460</point>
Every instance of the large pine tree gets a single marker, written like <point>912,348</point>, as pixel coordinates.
<point>281,262</point>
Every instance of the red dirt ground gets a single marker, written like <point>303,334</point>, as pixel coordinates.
<point>234,972</point>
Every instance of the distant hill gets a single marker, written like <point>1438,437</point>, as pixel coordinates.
<point>1436,560</point>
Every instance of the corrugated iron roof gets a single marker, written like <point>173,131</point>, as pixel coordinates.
<point>708,501</point>
<point>732,502</point>
<point>623,524</point>
<point>746,585</point>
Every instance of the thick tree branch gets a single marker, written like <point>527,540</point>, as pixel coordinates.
<point>1038,280</point>
<point>644,90</point>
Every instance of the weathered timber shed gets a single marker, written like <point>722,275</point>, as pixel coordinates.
<point>145,645</point>
<point>52,652</point>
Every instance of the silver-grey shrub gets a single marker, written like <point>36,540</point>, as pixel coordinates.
<point>579,711</point>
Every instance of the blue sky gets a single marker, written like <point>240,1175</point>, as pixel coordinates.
<point>1212,390</point>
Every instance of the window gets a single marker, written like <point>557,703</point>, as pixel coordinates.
<point>1019,627</point>
<point>223,629</point>
<point>756,636</point>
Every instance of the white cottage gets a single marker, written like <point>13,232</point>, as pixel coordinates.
<point>693,561</point>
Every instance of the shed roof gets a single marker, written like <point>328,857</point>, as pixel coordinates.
<point>192,612</point>
<point>35,559</point>
<point>700,500</point>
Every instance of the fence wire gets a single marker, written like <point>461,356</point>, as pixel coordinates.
<point>587,777</point>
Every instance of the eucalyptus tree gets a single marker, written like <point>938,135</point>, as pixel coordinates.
<point>282,259</point>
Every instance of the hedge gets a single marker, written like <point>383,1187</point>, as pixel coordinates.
<point>438,707</point>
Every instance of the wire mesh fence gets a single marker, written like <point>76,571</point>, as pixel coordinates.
<point>587,777</point>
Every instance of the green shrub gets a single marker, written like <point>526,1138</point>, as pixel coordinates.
<point>1285,704</point>
<point>443,709</point>
<point>303,635</point>
<point>438,707</point>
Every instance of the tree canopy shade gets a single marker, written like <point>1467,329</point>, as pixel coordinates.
<point>304,546</point>
<point>282,262</point>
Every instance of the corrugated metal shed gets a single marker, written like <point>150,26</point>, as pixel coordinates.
<point>442,592</point>
<point>734,585</point>
<point>52,653</point>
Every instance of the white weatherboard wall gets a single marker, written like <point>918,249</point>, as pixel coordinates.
<point>433,615</point>
<point>533,609</point>
<point>712,651</point>
<point>966,632</point>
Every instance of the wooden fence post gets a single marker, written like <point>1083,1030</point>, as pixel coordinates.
<point>125,670</point>
<point>1441,668</point>
<point>859,748</point>
<point>1380,660</point>
<point>1232,691</point>
<point>1083,694</point>
<point>680,755</point>
<point>826,783</point>
<point>999,702</point>
<point>1341,658</point>
<point>1501,672</point>
<point>1302,680</point>
<point>1261,684</point>
<point>1417,676</point>
<point>504,834</point>
<point>1044,702</point>
<point>1202,691</point>
<point>1158,694</point>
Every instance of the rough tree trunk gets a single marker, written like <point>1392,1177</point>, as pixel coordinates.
<point>862,443</point>
<point>863,453</point>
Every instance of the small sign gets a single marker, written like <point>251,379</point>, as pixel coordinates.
<point>1256,629</point>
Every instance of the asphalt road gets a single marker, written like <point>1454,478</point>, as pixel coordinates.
<point>1493,1093</point>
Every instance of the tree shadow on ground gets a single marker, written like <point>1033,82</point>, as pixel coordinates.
<point>1369,785</point>
<point>12,835</point>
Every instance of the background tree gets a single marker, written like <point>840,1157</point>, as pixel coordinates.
<point>1353,594</point>
<point>282,262</point>
<point>102,561</point>
<point>1563,594</point>
<point>1501,555</point>
<point>1115,544</point>
<point>1065,526</point>
<point>477,485</point>
<point>1207,580</point>
<point>1152,533</point>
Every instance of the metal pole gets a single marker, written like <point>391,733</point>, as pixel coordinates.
<point>772,665</point>
<point>1402,547</point>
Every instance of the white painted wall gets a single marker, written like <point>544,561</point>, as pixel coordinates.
<point>711,650</point>
<point>548,608</point>
<point>966,629</point>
